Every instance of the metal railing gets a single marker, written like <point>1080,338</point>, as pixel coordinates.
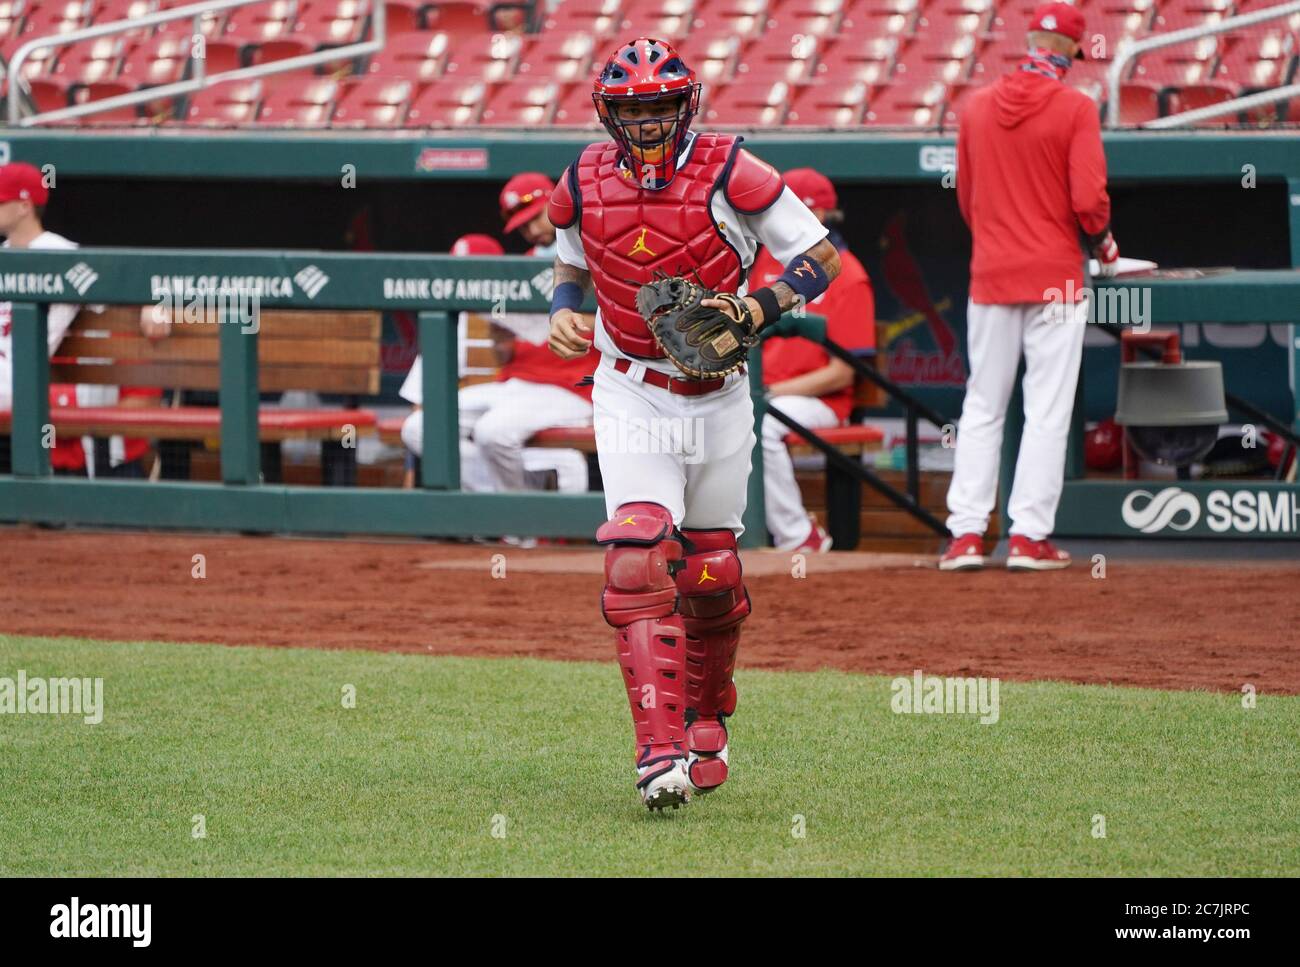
<point>18,85</point>
<point>914,410</point>
<point>1124,56</point>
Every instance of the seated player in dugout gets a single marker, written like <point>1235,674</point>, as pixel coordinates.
<point>532,389</point>
<point>800,377</point>
<point>661,200</point>
<point>24,196</point>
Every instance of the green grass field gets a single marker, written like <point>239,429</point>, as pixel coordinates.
<point>440,754</point>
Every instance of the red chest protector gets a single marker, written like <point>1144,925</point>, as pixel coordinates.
<point>629,232</point>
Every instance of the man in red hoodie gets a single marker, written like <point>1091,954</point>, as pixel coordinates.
<point>1031,183</point>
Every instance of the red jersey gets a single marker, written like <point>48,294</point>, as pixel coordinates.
<point>1031,180</point>
<point>537,364</point>
<point>849,306</point>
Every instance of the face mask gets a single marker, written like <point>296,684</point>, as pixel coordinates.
<point>1040,60</point>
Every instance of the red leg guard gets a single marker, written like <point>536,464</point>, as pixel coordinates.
<point>640,601</point>
<point>713,603</point>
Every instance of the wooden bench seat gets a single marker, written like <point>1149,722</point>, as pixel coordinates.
<point>323,351</point>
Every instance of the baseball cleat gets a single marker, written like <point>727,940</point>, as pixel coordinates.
<point>963,553</point>
<point>664,785</point>
<point>1027,555</point>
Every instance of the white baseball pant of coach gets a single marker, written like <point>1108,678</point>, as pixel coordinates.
<point>1050,335</point>
<point>783,503</point>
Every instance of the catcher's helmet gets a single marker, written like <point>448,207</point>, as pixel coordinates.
<point>648,72</point>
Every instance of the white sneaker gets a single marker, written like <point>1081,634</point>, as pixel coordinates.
<point>669,787</point>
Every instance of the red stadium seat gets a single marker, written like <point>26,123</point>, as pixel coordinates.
<point>60,17</point>
<point>457,17</point>
<point>859,58</point>
<point>403,16</point>
<point>1258,62</point>
<point>563,59</point>
<point>40,63</point>
<point>673,29</point>
<point>598,18</point>
<point>334,23</point>
<point>576,109</point>
<point>374,102</point>
<point>1139,102</point>
<point>11,16</point>
<point>107,11</point>
<point>920,65</point>
<point>211,25</point>
<point>162,59</point>
<point>115,117</point>
<point>1169,18</point>
<point>89,61</point>
<point>299,102</point>
<point>788,55</point>
<point>225,105</point>
<point>298,45</point>
<point>818,17</point>
<point>451,103</point>
<point>1204,95</point>
<point>957,99</point>
<point>829,103</point>
<point>48,95</point>
<point>522,103</point>
<point>942,27</point>
<point>263,21</point>
<point>713,59</point>
<point>224,54</point>
<point>908,105</point>
<point>1189,63</point>
<point>749,105</point>
<point>488,57</point>
<point>420,57</point>
<point>879,18</point>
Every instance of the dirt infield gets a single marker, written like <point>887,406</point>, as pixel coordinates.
<point>1152,624</point>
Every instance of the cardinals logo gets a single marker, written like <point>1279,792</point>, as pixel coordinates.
<point>908,363</point>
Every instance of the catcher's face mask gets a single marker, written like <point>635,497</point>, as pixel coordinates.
<point>646,97</point>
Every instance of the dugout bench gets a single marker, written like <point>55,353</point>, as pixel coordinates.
<point>332,352</point>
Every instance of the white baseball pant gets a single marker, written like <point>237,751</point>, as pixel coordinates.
<point>1050,335</point>
<point>787,520</point>
<point>495,421</point>
<point>690,454</point>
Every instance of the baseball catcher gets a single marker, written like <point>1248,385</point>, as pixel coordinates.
<point>663,223</point>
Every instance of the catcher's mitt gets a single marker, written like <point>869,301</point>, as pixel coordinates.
<point>704,342</point>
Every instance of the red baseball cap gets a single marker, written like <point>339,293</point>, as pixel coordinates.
<point>1060,18</point>
<point>524,197</point>
<point>477,245</point>
<point>20,181</point>
<point>813,188</point>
